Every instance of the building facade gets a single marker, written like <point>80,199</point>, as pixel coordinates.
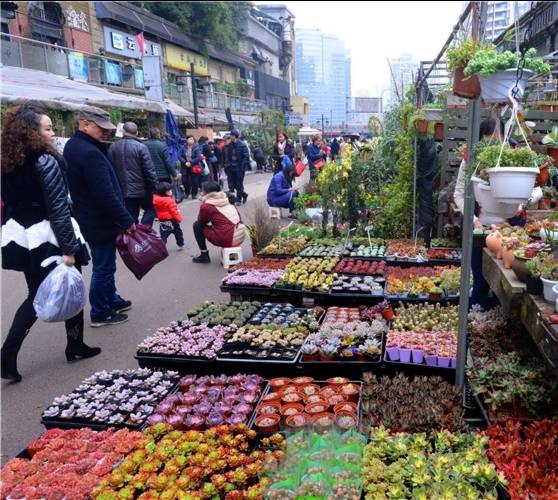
<point>500,15</point>
<point>323,76</point>
<point>402,75</point>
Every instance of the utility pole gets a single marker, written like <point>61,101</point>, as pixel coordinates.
<point>322,125</point>
<point>194,96</point>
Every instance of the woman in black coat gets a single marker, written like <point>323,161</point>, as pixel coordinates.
<point>36,224</point>
<point>282,147</point>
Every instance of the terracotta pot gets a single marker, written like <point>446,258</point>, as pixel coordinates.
<point>554,153</point>
<point>296,422</point>
<point>277,383</point>
<point>303,380</point>
<point>547,107</point>
<point>291,409</point>
<point>268,423</point>
<point>347,406</point>
<point>543,176</point>
<point>466,87</point>
<point>439,131</point>
<point>388,314</point>
<point>421,127</point>
<point>545,203</point>
<point>337,381</point>
<point>316,408</point>
<point>269,408</point>
<point>519,266</point>
<point>507,257</point>
<point>494,242</point>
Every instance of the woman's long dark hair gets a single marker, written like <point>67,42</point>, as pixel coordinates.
<point>21,137</point>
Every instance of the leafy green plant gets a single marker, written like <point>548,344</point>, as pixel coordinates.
<point>487,156</point>
<point>488,61</point>
<point>459,55</point>
<point>551,139</point>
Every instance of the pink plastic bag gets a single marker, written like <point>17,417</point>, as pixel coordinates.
<point>141,250</point>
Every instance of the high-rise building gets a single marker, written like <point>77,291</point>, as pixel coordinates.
<point>323,75</point>
<point>403,73</point>
<point>501,14</point>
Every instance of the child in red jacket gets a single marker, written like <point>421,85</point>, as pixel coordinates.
<point>168,214</point>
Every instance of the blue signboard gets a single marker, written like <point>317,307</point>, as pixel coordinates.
<point>113,73</point>
<point>138,76</point>
<point>79,69</point>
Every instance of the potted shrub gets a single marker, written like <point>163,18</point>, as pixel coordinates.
<point>550,140</point>
<point>511,174</point>
<point>498,71</point>
<point>457,58</point>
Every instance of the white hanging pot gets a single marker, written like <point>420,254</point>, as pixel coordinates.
<point>494,88</point>
<point>491,207</point>
<point>477,182</point>
<point>512,184</point>
<point>549,293</point>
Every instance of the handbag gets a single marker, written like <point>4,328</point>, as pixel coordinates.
<point>319,164</point>
<point>299,168</point>
<point>141,250</point>
<point>196,169</point>
<point>205,170</point>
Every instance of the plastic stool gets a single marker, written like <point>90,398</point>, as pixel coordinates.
<point>231,256</point>
<point>274,213</point>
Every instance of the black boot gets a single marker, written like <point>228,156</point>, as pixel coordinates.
<point>203,258</point>
<point>9,367</point>
<point>76,348</point>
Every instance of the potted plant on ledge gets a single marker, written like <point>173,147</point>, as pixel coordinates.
<point>498,72</point>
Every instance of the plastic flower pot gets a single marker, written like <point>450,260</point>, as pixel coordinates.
<point>337,398</point>
<point>494,88</point>
<point>316,408</point>
<point>296,422</point>
<point>346,406</point>
<point>453,362</point>
<point>545,203</point>
<point>308,390</point>
<point>388,314</point>
<point>444,362</point>
<point>549,292</point>
<point>512,184</point>
<point>314,398</point>
<point>291,409</point>
<point>345,420</point>
<point>310,357</point>
<point>469,88</point>
<point>277,383</point>
<point>291,397</point>
<point>393,353</point>
<point>337,381</point>
<point>439,131</point>
<point>554,153</point>
<point>351,391</point>
<point>491,207</point>
<point>328,391</point>
<point>543,176</point>
<point>323,421</point>
<point>548,234</point>
<point>431,359</point>
<point>418,356</point>
<point>434,296</point>
<point>404,355</point>
<point>271,408</point>
<point>325,358</point>
<point>302,380</point>
<point>272,396</point>
<point>268,423</point>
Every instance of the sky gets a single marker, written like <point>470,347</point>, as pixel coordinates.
<point>375,31</point>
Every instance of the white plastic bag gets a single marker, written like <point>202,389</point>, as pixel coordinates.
<point>61,294</point>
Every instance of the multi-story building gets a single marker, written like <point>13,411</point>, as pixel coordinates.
<point>500,15</point>
<point>403,72</point>
<point>323,75</point>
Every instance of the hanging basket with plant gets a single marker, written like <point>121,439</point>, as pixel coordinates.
<point>498,73</point>
<point>458,57</point>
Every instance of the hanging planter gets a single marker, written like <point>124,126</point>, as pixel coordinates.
<point>494,210</point>
<point>467,87</point>
<point>512,184</point>
<point>495,88</point>
<point>421,127</point>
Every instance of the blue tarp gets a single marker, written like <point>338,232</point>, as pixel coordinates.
<point>173,137</point>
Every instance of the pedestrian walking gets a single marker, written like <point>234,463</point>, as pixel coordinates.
<point>37,224</point>
<point>136,173</point>
<point>168,214</point>
<point>100,211</point>
<point>190,171</point>
<point>238,161</point>
<point>160,157</point>
<point>315,156</point>
<point>259,156</point>
<point>218,222</point>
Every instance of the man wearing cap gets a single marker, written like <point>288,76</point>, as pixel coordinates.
<point>237,161</point>
<point>100,210</point>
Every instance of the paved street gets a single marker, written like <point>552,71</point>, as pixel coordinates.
<point>163,295</point>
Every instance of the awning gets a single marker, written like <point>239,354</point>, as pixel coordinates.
<point>21,85</point>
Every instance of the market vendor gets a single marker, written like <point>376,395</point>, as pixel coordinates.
<point>218,222</point>
<point>281,193</point>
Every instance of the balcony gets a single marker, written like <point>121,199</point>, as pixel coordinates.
<point>79,66</point>
<point>213,100</point>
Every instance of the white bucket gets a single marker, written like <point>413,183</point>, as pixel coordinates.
<point>512,184</point>
<point>494,88</point>
<point>550,295</point>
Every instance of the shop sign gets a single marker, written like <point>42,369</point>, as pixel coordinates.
<point>124,44</point>
<point>179,58</point>
<point>79,69</point>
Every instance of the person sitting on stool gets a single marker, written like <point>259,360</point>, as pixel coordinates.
<point>281,193</point>
<point>218,222</point>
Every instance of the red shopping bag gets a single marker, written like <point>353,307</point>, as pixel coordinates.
<point>299,168</point>
<point>318,164</point>
<point>141,250</point>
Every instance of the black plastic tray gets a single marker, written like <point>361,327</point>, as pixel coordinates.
<point>169,360</point>
<point>241,359</point>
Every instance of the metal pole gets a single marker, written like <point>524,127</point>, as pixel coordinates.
<point>414,234</point>
<point>468,216</point>
<point>322,124</point>
<point>194,96</point>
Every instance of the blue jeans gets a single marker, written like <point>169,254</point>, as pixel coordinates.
<point>102,292</point>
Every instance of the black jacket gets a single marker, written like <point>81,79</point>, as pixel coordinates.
<point>134,167</point>
<point>161,159</point>
<point>96,194</point>
<point>289,151</point>
<point>242,161</point>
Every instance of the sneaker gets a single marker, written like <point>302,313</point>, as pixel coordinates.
<point>244,198</point>
<point>203,258</point>
<point>124,306</point>
<point>113,319</point>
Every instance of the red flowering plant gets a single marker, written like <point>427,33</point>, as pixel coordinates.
<point>67,464</point>
<point>527,455</point>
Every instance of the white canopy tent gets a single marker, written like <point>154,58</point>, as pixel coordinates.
<point>308,132</point>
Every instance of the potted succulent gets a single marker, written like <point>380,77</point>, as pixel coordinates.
<point>550,140</point>
<point>534,283</point>
<point>498,72</point>
<point>435,293</point>
<point>310,352</point>
<point>328,352</point>
<point>549,276</point>
<point>458,57</point>
<point>512,172</point>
